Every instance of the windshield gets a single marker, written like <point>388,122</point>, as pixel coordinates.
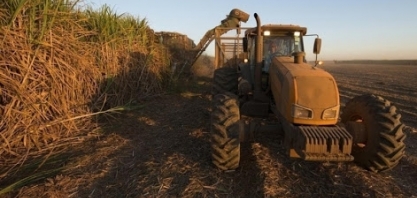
<point>281,45</point>
<point>275,46</point>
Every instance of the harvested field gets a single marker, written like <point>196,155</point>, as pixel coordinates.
<point>394,82</point>
<point>162,150</point>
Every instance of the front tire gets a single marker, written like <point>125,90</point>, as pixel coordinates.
<point>379,145</point>
<point>225,142</point>
<point>225,79</point>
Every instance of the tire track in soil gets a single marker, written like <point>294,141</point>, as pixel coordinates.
<point>374,86</point>
<point>402,75</point>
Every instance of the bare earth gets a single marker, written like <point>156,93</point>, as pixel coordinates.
<point>162,150</point>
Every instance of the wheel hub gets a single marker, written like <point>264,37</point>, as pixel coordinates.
<point>358,131</point>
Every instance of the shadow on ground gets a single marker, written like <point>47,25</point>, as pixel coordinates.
<point>167,152</point>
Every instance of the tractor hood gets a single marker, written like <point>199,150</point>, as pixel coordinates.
<point>308,94</point>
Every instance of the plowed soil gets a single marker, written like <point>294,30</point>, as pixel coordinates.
<point>162,150</point>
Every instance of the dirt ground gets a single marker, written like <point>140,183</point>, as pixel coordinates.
<point>162,150</point>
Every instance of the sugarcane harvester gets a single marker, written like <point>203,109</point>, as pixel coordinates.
<point>232,21</point>
<point>276,79</point>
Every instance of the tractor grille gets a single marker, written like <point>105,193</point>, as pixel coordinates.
<point>324,143</point>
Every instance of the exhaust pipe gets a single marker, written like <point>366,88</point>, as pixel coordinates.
<point>259,95</point>
<point>258,56</point>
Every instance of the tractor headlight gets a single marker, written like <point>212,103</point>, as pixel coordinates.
<point>330,113</point>
<point>301,112</point>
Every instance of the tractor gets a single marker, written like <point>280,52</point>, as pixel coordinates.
<point>271,76</point>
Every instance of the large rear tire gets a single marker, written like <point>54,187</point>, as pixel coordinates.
<point>225,79</point>
<point>225,142</point>
<point>379,145</point>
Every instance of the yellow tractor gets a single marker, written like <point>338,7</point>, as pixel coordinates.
<point>275,78</point>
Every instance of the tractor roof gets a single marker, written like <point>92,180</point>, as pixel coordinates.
<point>279,28</point>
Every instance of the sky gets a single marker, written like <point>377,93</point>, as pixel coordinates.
<point>354,29</point>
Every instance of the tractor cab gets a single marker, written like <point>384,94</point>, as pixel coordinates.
<point>277,41</point>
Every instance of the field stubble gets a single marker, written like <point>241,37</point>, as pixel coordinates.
<point>162,150</point>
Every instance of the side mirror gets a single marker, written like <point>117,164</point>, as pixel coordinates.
<point>317,46</point>
<point>245,44</point>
